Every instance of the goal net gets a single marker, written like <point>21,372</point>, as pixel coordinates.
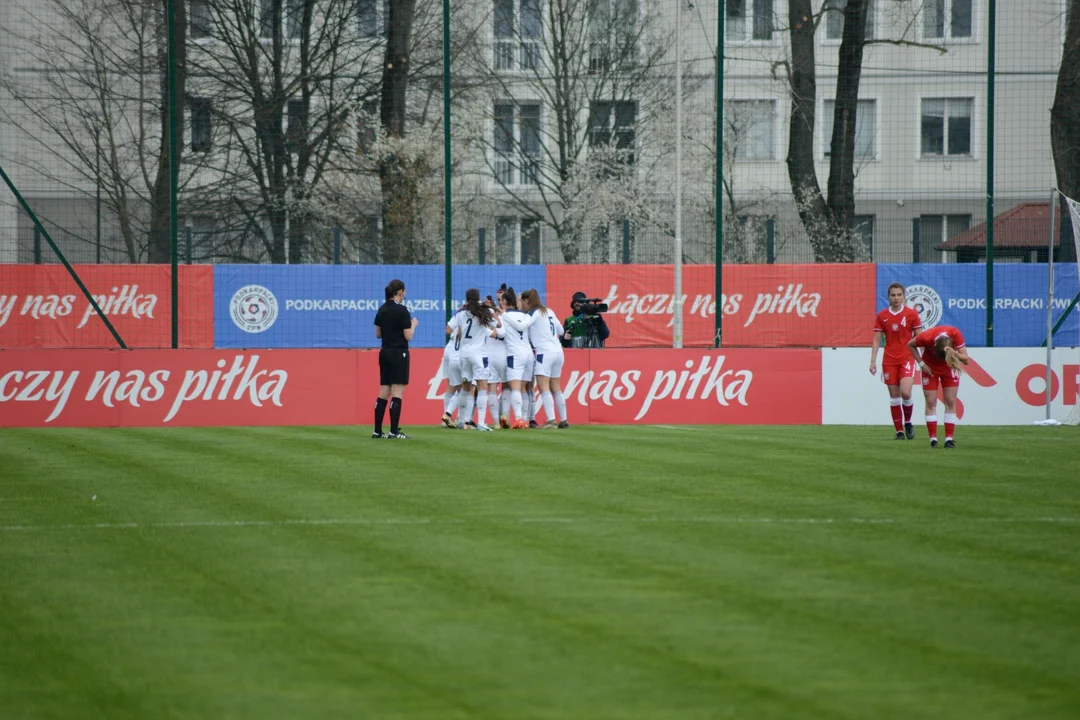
<point>1073,416</point>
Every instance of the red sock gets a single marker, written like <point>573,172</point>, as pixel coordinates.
<point>950,425</point>
<point>909,410</point>
<point>897,422</point>
<point>931,426</point>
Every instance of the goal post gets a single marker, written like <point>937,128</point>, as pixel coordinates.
<point>1052,324</point>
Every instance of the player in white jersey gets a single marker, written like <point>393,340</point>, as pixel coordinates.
<point>544,334</point>
<point>476,324</point>
<point>500,403</point>
<point>515,331</point>
<point>451,367</point>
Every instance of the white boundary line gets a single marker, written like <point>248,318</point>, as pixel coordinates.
<point>389,522</point>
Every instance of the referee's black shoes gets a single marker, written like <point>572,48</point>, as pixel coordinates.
<point>399,436</point>
<point>377,436</point>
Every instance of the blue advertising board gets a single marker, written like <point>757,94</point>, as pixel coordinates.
<point>334,306</point>
<point>955,294</point>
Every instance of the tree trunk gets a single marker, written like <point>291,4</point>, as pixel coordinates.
<point>800,161</point>
<point>1065,114</point>
<point>160,241</point>
<point>842,152</point>
<point>400,186</point>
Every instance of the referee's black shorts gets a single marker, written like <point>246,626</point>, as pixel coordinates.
<point>394,366</point>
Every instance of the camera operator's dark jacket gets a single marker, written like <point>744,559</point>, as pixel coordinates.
<point>578,326</point>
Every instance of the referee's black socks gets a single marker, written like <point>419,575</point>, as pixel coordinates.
<point>380,413</point>
<point>395,415</point>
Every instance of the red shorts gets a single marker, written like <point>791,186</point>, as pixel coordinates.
<point>893,374</point>
<point>949,378</point>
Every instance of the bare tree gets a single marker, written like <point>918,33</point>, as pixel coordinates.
<point>93,107</point>
<point>596,67</point>
<point>285,79</point>
<point>1065,113</point>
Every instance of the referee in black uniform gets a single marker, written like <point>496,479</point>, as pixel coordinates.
<point>395,327</point>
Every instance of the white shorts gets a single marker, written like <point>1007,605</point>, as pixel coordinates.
<point>549,364</point>
<point>519,367</point>
<point>451,369</point>
<point>497,368</point>
<point>474,367</point>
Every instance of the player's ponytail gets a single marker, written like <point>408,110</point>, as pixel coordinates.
<point>509,296</point>
<point>534,300</point>
<point>472,303</point>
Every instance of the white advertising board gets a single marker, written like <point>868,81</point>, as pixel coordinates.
<point>1002,386</point>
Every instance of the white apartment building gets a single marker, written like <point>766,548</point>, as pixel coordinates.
<point>921,130</point>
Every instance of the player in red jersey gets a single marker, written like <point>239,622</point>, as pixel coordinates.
<point>897,324</point>
<point>943,352</point>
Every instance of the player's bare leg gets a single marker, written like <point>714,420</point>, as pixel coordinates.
<point>948,399</point>
<point>930,397</point>
<point>907,406</point>
<point>895,411</point>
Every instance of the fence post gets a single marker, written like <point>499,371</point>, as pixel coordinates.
<point>37,246</point>
<point>626,241</point>
<point>189,233</point>
<point>337,245</point>
<point>916,252</point>
<point>482,249</point>
<point>770,241</point>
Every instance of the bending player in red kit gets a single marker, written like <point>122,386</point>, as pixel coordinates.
<point>943,353</point>
<point>897,324</point>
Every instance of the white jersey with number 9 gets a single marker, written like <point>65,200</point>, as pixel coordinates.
<point>544,335</point>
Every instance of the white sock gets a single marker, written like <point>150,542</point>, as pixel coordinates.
<point>466,407</point>
<point>504,409</point>
<point>560,405</point>
<point>534,406</point>
<point>481,407</point>
<point>450,401</point>
<point>549,405</point>
<point>515,402</point>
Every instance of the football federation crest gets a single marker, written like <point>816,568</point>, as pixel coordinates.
<point>925,301</point>
<point>253,308</point>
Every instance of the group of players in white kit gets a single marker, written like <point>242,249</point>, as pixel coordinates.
<point>510,342</point>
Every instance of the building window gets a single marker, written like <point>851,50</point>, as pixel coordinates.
<point>936,229</point>
<point>368,13</point>
<point>947,19</point>
<point>296,127</point>
<point>517,143</point>
<point>200,21</point>
<point>201,124</point>
<point>834,19</point>
<point>612,34</point>
<point>611,124</point>
<point>517,241</point>
<point>865,124</point>
<point>517,44</point>
<point>946,126</point>
<point>293,20</point>
<point>367,123</point>
<point>750,129</point>
<point>749,20</point>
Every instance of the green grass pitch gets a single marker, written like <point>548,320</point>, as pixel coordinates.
<point>600,572</point>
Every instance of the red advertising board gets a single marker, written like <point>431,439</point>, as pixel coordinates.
<point>41,306</point>
<point>148,388</point>
<point>763,305</point>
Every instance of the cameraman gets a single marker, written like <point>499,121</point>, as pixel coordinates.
<point>586,326</point>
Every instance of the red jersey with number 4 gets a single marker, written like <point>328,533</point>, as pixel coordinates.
<point>926,340</point>
<point>898,328</point>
